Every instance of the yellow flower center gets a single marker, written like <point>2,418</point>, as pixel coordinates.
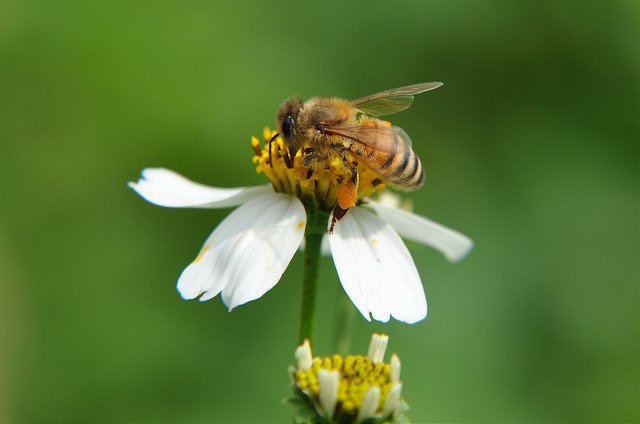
<point>319,186</point>
<point>357,374</point>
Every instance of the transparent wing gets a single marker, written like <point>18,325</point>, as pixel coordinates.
<point>392,101</point>
<point>377,135</point>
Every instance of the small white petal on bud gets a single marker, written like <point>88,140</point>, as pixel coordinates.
<point>395,369</point>
<point>369,404</point>
<point>328,382</point>
<point>292,374</point>
<point>377,347</point>
<point>393,400</point>
<point>303,355</point>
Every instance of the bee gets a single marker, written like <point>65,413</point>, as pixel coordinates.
<point>325,127</point>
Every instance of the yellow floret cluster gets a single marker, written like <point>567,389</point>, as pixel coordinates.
<point>357,374</point>
<point>317,186</point>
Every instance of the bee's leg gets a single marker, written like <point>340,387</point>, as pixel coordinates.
<point>347,198</point>
<point>288,159</point>
<point>348,192</point>
<point>270,143</point>
<point>309,155</point>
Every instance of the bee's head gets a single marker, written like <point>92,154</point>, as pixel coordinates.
<point>288,124</point>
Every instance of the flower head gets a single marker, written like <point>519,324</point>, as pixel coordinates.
<point>351,388</point>
<point>248,252</point>
<point>321,188</point>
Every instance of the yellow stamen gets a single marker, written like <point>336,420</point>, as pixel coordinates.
<point>357,374</point>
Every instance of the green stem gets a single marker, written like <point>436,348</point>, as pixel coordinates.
<point>343,315</point>
<point>313,240</point>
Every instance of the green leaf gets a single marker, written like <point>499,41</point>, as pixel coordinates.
<point>304,412</point>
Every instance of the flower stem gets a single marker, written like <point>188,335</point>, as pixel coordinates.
<point>316,227</point>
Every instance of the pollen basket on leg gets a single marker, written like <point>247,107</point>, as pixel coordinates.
<point>317,185</point>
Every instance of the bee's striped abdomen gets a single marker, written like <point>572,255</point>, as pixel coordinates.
<point>387,150</point>
<point>403,170</point>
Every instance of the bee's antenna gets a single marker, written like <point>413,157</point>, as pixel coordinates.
<point>271,141</point>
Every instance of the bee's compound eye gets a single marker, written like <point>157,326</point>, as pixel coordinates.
<point>287,126</point>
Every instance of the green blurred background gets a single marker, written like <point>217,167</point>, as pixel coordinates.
<point>531,149</point>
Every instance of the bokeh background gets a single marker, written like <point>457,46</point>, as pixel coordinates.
<point>531,149</point>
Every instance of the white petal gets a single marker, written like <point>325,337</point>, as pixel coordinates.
<point>370,403</point>
<point>377,347</point>
<point>247,253</point>
<point>329,381</point>
<point>392,403</point>
<point>391,199</point>
<point>376,269</point>
<point>451,243</point>
<point>303,355</point>
<point>166,188</point>
<point>395,369</point>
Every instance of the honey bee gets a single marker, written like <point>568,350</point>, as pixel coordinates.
<point>325,127</point>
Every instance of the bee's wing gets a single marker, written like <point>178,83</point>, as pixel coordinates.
<point>376,135</point>
<point>392,101</point>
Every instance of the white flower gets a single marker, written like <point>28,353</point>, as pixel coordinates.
<point>247,253</point>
